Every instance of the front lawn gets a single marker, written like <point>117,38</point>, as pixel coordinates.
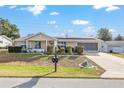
<point>118,55</point>
<point>36,65</point>
<point>46,71</point>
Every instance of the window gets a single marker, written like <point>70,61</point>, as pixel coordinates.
<point>37,44</point>
<point>23,46</point>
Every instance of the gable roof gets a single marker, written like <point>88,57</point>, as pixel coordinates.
<point>6,37</point>
<point>31,36</point>
<point>23,38</point>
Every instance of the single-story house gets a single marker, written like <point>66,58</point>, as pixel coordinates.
<point>114,46</point>
<point>36,42</point>
<point>40,41</point>
<point>5,41</point>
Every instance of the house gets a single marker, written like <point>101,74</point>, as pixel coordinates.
<point>36,42</point>
<point>40,41</point>
<point>5,41</point>
<point>89,44</point>
<point>114,46</point>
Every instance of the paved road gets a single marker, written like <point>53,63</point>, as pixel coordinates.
<point>113,65</point>
<point>59,83</point>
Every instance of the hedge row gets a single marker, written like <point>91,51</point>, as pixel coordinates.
<point>68,50</point>
<point>14,49</point>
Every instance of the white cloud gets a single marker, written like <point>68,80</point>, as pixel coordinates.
<point>54,13</point>
<point>70,30</point>
<point>12,7</point>
<point>62,34</point>
<point>99,6</point>
<point>2,5</point>
<point>80,22</point>
<point>111,30</point>
<point>36,10</point>
<point>112,8</point>
<point>52,22</point>
<point>108,8</point>
<point>89,29</point>
<point>114,32</point>
<point>56,26</point>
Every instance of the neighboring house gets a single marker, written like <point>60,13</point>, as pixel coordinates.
<point>5,41</point>
<point>114,46</point>
<point>40,41</point>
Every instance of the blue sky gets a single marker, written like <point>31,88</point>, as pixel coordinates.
<point>76,21</point>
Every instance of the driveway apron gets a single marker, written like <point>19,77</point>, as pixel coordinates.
<point>113,66</point>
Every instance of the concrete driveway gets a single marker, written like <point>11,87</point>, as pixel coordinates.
<point>113,65</point>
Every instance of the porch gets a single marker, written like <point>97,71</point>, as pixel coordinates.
<point>39,46</point>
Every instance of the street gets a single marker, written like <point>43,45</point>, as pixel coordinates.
<point>60,83</point>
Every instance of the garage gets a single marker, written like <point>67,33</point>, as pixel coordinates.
<point>91,46</point>
<point>118,49</point>
<point>114,46</point>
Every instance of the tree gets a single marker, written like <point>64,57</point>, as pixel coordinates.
<point>104,34</point>
<point>119,38</point>
<point>8,29</point>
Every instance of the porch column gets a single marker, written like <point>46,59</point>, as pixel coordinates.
<point>26,43</point>
<point>46,45</point>
<point>55,44</point>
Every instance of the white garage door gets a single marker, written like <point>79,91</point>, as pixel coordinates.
<point>118,49</point>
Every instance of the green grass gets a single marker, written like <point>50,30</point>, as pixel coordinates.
<point>23,55</point>
<point>34,69</point>
<point>38,71</point>
<point>118,55</point>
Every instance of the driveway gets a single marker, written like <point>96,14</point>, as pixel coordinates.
<point>59,83</point>
<point>113,65</point>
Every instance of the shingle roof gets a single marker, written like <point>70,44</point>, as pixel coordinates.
<point>76,38</point>
<point>30,36</point>
<point>23,38</point>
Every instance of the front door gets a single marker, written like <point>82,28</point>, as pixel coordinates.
<point>37,44</point>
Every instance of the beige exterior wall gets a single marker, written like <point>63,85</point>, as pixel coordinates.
<point>19,43</point>
<point>31,44</point>
<point>72,44</point>
<point>44,44</point>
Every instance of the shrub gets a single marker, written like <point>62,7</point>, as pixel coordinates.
<point>50,50</point>
<point>69,50</point>
<point>61,51</point>
<point>15,49</point>
<point>79,50</point>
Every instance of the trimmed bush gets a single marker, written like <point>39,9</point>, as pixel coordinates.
<point>15,49</point>
<point>79,50</point>
<point>61,51</point>
<point>50,50</point>
<point>69,50</point>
